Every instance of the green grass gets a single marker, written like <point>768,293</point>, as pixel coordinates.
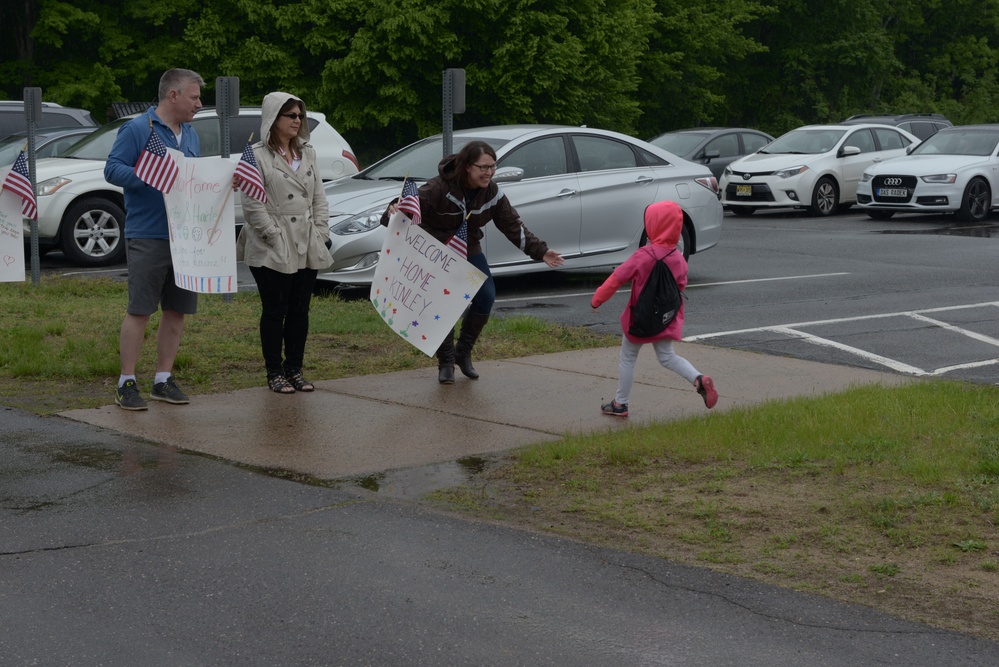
<point>59,341</point>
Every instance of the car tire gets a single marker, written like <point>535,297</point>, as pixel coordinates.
<point>825,197</point>
<point>742,210</point>
<point>976,201</point>
<point>880,215</point>
<point>93,233</point>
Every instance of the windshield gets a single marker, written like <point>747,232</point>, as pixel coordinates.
<point>959,142</point>
<point>97,145</point>
<point>418,161</point>
<point>807,142</point>
<point>680,143</point>
<point>10,148</point>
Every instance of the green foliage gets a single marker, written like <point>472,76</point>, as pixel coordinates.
<point>639,66</point>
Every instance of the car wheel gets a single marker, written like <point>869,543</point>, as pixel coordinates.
<point>976,201</point>
<point>742,210</point>
<point>880,215</point>
<point>825,198</point>
<point>93,233</point>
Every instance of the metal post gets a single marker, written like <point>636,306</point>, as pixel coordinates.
<point>226,106</point>
<point>454,102</point>
<point>33,112</point>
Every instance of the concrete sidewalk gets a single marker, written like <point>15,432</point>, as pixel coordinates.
<point>363,425</point>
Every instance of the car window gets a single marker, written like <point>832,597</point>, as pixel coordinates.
<point>862,139</point>
<point>419,161</point>
<point>598,153</point>
<point>679,143</point>
<point>959,142</point>
<point>890,140</point>
<point>97,145</point>
<point>544,157</point>
<point>727,145</point>
<point>753,142</point>
<point>806,141</point>
<point>652,159</point>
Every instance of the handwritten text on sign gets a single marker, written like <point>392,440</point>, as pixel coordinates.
<point>11,236</point>
<point>203,224</point>
<point>421,287</point>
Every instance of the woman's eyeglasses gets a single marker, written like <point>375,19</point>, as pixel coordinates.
<point>294,116</point>
<point>485,167</point>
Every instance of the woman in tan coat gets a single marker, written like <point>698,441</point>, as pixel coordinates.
<point>284,240</point>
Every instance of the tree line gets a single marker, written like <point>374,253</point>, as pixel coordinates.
<point>638,66</point>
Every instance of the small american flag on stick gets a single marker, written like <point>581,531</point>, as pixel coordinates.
<point>19,183</point>
<point>409,203</point>
<point>459,242</point>
<point>250,180</point>
<point>156,167</point>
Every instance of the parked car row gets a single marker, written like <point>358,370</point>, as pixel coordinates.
<point>583,191</point>
<point>84,215</point>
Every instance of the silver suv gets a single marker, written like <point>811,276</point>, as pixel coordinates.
<point>53,115</point>
<point>84,215</point>
<point>922,125</point>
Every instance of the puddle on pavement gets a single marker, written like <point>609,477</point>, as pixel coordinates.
<point>977,231</point>
<point>417,482</point>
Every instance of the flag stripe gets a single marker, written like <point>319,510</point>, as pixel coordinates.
<point>251,182</point>
<point>155,166</point>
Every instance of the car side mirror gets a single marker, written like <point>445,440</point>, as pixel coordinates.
<point>707,157</point>
<point>508,175</point>
<point>849,150</point>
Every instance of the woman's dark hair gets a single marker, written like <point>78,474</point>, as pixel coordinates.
<point>469,155</point>
<point>295,143</point>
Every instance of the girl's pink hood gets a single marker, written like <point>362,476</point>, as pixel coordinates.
<point>663,223</point>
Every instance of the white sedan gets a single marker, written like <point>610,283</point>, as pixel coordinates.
<point>583,191</point>
<point>954,171</point>
<point>816,167</point>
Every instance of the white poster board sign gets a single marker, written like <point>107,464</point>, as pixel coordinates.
<point>421,286</point>
<point>12,267</point>
<point>202,221</point>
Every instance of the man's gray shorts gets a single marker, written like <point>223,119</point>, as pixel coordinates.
<point>150,279</point>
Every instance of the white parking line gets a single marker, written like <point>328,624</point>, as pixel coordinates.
<point>689,286</point>
<point>793,331</point>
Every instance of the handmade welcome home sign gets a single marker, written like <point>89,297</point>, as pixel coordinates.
<point>11,236</point>
<point>421,286</point>
<point>202,221</point>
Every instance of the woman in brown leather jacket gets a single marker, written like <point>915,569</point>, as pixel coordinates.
<point>463,191</point>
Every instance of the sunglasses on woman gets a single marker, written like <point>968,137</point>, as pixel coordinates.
<point>294,116</point>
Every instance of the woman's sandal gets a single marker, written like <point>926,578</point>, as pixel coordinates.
<point>299,382</point>
<point>279,384</point>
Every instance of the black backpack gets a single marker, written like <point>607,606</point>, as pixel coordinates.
<point>658,303</point>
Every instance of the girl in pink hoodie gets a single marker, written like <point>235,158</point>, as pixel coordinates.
<point>663,225</point>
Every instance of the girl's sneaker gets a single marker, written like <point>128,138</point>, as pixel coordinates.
<point>614,409</point>
<point>706,388</point>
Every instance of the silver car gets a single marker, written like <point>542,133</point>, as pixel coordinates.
<point>583,191</point>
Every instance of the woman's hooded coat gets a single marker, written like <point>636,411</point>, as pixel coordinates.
<point>289,231</point>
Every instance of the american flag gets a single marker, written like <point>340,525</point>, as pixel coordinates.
<point>410,202</point>
<point>155,166</point>
<point>459,242</point>
<point>251,183</point>
<point>19,183</point>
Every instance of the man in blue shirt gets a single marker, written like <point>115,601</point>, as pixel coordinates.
<point>147,239</point>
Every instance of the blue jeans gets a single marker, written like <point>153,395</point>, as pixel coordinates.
<point>482,302</point>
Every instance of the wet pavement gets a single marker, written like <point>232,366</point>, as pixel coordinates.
<point>153,538</point>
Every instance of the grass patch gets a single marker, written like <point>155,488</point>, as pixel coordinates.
<point>59,342</point>
<point>835,495</point>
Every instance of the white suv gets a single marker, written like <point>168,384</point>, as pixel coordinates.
<point>84,215</point>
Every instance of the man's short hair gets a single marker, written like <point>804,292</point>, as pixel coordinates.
<point>177,79</point>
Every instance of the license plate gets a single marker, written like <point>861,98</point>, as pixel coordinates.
<point>743,190</point>
<point>893,192</point>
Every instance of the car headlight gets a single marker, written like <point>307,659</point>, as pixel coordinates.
<point>865,177</point>
<point>790,171</point>
<point>940,178</point>
<point>360,223</point>
<point>728,170</point>
<point>52,185</point>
